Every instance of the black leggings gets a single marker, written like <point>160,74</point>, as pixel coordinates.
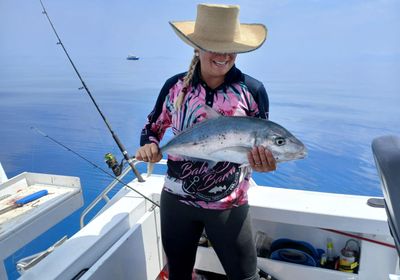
<point>229,231</point>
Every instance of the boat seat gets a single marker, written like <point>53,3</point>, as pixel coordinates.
<point>386,151</point>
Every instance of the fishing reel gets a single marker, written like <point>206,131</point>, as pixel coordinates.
<point>112,163</point>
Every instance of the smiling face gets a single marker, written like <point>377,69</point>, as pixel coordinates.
<point>214,66</point>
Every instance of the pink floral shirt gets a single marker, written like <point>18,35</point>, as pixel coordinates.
<point>225,185</point>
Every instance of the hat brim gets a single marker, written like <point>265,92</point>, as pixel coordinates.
<point>252,37</point>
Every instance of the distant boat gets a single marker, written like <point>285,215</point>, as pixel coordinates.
<point>132,57</point>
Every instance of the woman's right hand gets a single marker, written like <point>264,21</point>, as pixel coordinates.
<point>149,153</point>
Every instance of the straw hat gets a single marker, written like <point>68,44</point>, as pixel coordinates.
<point>217,29</point>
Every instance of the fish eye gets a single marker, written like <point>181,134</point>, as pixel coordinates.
<point>279,141</point>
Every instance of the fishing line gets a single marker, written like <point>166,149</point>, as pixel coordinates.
<point>92,163</point>
<point>115,137</point>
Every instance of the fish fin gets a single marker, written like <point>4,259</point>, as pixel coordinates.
<point>211,113</point>
<point>236,154</point>
<point>150,168</point>
<point>211,164</point>
<point>186,158</point>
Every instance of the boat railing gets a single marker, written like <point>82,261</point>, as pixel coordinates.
<point>104,194</point>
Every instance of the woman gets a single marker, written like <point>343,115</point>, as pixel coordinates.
<point>194,196</point>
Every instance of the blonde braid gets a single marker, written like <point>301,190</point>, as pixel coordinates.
<point>186,82</point>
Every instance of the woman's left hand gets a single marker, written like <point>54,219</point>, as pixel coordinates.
<point>261,159</point>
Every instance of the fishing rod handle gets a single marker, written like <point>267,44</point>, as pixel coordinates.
<point>127,157</point>
<point>137,174</point>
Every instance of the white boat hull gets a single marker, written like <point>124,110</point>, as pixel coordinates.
<point>124,241</point>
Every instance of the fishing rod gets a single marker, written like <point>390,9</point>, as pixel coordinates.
<point>92,163</point>
<point>84,86</point>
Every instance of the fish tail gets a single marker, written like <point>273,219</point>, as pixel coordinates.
<point>150,168</point>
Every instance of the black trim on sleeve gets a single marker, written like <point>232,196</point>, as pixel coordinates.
<point>259,93</point>
<point>155,113</point>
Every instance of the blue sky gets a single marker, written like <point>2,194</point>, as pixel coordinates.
<point>339,38</point>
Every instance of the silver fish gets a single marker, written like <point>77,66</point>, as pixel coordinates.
<point>222,138</point>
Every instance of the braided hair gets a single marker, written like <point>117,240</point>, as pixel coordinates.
<point>187,79</point>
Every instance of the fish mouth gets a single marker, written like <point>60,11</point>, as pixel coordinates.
<point>301,150</point>
<point>302,154</point>
<point>297,155</point>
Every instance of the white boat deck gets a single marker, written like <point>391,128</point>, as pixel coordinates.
<point>125,238</point>
<point>317,209</point>
<point>3,176</point>
<point>13,219</point>
<point>23,224</point>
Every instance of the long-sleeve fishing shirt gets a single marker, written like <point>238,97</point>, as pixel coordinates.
<point>226,184</point>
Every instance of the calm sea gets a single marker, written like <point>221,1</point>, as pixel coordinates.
<point>337,120</point>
